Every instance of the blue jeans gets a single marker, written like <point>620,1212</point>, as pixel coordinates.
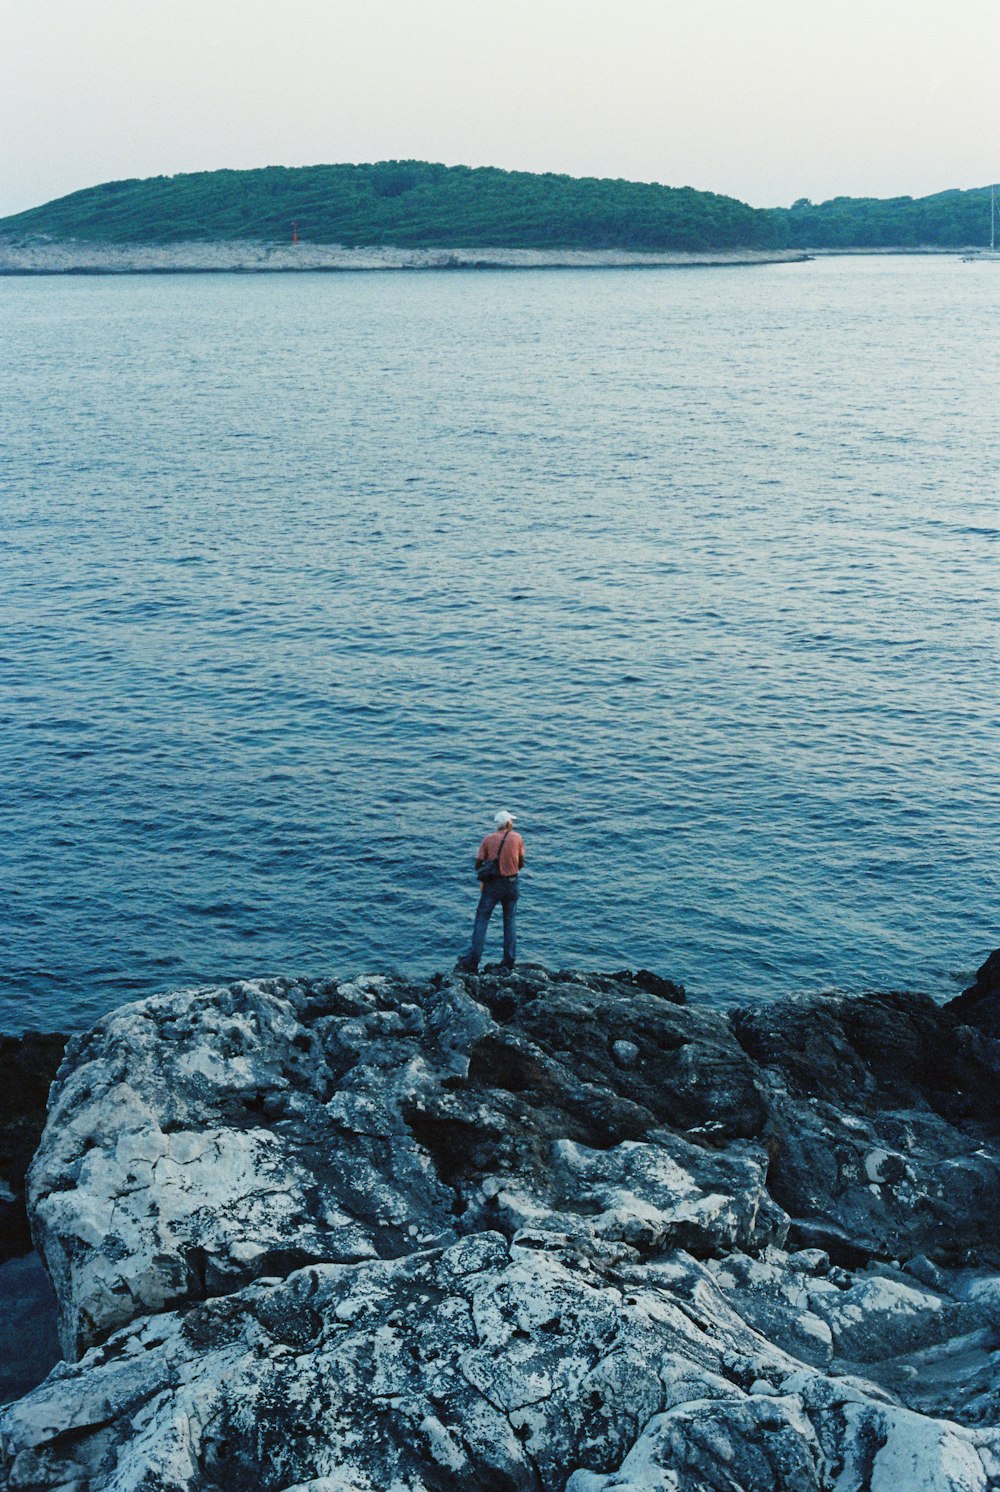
<point>504,890</point>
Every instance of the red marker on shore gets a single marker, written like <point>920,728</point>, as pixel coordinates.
<point>295,233</point>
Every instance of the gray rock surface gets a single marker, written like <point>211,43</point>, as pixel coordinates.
<point>543,1232</point>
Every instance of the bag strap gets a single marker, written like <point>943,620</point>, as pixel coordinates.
<point>500,847</point>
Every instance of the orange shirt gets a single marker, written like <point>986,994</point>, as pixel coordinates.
<point>511,856</point>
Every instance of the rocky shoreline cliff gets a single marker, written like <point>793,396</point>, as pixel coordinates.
<point>71,257</point>
<point>545,1233</point>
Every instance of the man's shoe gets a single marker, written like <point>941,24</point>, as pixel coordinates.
<point>507,967</point>
<point>462,966</point>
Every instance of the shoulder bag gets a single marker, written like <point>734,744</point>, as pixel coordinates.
<point>490,869</point>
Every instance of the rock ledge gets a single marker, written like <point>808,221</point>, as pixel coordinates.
<point>526,1234</point>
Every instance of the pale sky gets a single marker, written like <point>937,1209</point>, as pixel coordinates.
<point>766,100</point>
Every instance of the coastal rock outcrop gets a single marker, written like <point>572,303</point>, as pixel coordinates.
<point>979,1005</point>
<point>546,1232</point>
<point>39,255</point>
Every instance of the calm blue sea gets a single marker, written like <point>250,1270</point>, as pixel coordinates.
<point>302,577</point>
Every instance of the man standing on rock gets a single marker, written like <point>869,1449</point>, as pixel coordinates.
<point>498,861</point>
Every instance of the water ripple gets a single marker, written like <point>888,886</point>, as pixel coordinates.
<point>300,578</point>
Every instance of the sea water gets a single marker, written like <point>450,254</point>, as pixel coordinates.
<point>303,576</point>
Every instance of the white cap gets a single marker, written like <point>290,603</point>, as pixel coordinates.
<point>502,818</point>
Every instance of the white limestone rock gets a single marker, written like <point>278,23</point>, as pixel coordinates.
<point>387,1236</point>
<point>37,255</point>
<point>198,1140</point>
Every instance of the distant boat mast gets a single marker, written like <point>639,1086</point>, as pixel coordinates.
<point>991,253</point>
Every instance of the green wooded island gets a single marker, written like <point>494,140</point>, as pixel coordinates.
<point>418,205</point>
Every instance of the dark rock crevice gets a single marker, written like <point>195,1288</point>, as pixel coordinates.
<point>28,1065</point>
